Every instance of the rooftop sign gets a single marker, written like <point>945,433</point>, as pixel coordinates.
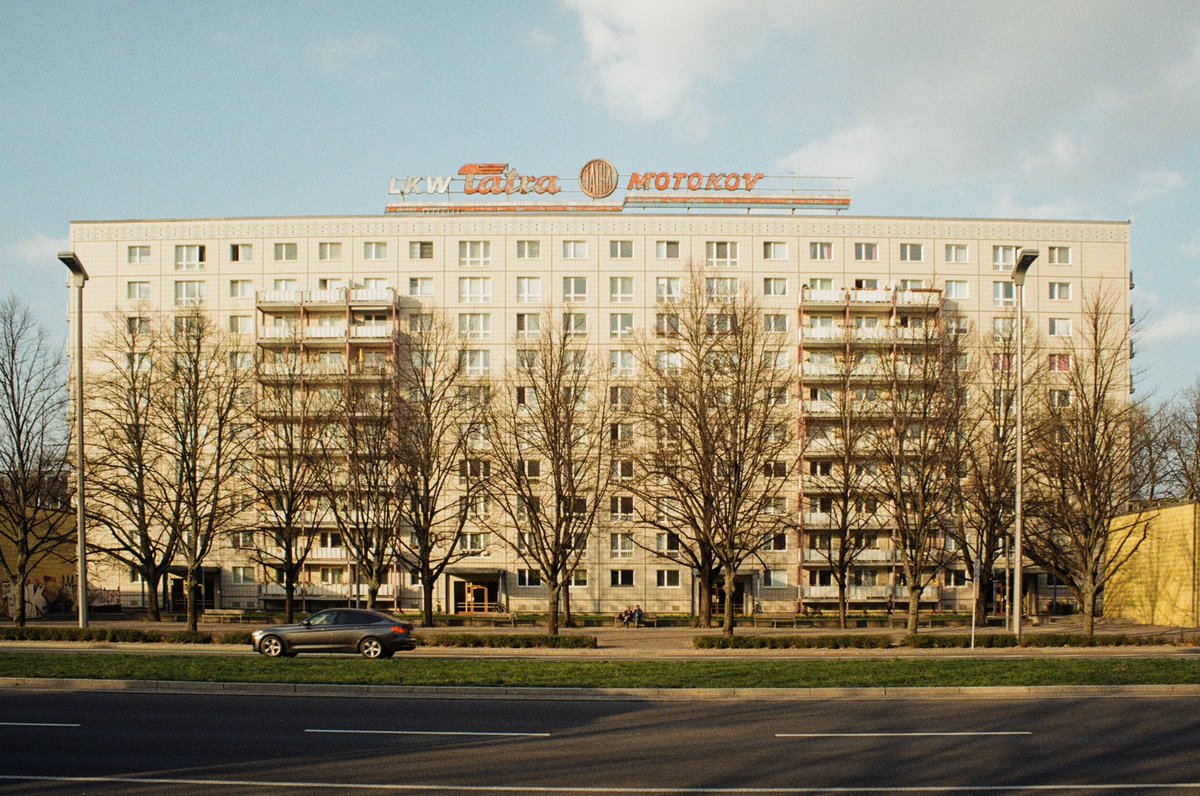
<point>477,186</point>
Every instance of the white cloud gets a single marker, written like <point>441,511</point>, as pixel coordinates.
<point>1153,184</point>
<point>337,55</point>
<point>542,38</point>
<point>1061,154</point>
<point>1175,325</point>
<point>1190,249</point>
<point>857,152</point>
<point>38,250</point>
<point>1008,207</point>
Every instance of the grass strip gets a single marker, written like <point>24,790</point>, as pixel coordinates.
<point>894,672</point>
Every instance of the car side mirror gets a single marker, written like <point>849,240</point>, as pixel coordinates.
<point>306,623</point>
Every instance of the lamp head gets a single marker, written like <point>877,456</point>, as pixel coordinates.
<point>71,261</point>
<point>1025,258</point>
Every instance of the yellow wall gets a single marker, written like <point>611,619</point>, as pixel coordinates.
<point>1158,586</point>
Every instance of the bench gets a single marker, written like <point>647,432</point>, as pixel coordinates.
<point>491,618</point>
<point>225,615</point>
<point>774,620</point>
<point>648,620</point>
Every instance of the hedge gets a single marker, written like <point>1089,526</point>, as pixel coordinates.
<point>959,640</point>
<point>861,641</point>
<point>121,634</point>
<point>511,640</point>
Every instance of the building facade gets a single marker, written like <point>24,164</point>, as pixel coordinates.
<point>343,284</point>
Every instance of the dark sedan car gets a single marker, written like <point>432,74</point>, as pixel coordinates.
<point>369,633</point>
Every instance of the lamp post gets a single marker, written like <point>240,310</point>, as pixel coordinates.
<point>1025,258</point>
<point>78,278</point>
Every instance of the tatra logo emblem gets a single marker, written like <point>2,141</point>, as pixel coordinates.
<point>598,178</point>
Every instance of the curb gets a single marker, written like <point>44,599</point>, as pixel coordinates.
<point>601,694</point>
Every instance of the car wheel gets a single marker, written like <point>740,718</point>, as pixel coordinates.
<point>272,647</point>
<point>371,648</point>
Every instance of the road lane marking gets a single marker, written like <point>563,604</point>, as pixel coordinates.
<point>891,734</point>
<point>35,724</point>
<point>395,787</point>
<point>429,732</point>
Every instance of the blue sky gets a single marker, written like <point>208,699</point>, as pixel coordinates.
<point>1047,109</point>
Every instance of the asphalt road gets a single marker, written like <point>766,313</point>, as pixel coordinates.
<point>79,742</point>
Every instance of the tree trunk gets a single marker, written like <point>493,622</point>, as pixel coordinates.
<point>980,607</point>
<point>1088,605</point>
<point>842,604</point>
<point>153,606</point>
<point>17,589</point>
<point>372,592</point>
<point>704,603</point>
<point>729,583</point>
<point>552,611</point>
<point>914,608</point>
<point>189,590</point>
<point>427,600</point>
<point>289,597</point>
<point>566,601</point>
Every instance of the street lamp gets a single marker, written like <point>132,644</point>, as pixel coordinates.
<point>1025,258</point>
<point>78,278</point>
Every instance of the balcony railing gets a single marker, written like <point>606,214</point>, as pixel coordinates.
<point>335,590</point>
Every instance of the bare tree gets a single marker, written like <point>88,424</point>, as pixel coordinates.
<point>1081,476</point>
<point>34,511</point>
<point>361,475</point>
<point>719,398</point>
<point>292,415</point>
<point>204,445</point>
<point>916,447</point>
<point>552,447</point>
<point>126,458</point>
<point>1183,444</point>
<point>843,408</point>
<point>439,408</point>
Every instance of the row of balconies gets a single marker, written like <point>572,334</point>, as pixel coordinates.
<point>906,298</point>
<point>333,332</point>
<point>374,297</point>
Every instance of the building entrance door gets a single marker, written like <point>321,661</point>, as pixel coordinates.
<point>476,596</point>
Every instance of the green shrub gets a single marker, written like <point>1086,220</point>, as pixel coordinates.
<point>189,637</point>
<point>508,640</point>
<point>234,637</point>
<point>863,641</point>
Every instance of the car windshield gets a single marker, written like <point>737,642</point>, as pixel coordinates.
<point>323,618</point>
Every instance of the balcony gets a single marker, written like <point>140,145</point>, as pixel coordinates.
<point>328,590</point>
<point>857,593</point>
<point>325,332</point>
<point>374,331</point>
<point>869,556</point>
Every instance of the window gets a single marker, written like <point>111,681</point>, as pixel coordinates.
<point>241,324</point>
<point>187,293</point>
<point>912,252</point>
<point>620,324</point>
<point>475,542</point>
<point>135,291</point>
<point>667,542</point>
<point>820,250</point>
<point>775,579</point>
<point>958,324</point>
<point>1060,363</point>
<point>574,288</point>
<point>622,469</point>
<point>667,289</point>
<point>820,284</point>
<point>1004,294</point>
<point>668,361</point>
<point>240,360</point>
<point>1004,328</point>
<point>529,249</point>
<point>776,396</point>
<point>621,363</point>
<point>474,253</point>
<point>476,362</point>
<point>574,249</point>
<point>420,286</point>
<point>620,249</point>
<point>820,467</point>
<point>721,253</point>
<point>420,322</point>
<point>529,325</point>
<point>620,289</point>
<point>911,284</point>
<point>774,322</point>
<point>1060,327</point>
<point>620,577</point>
<point>574,324</point>
<point>721,287</point>
<point>620,396</point>
<point>241,288</point>
<point>474,289</point>
<point>866,284</point>
<point>138,255</point>
<point>668,578</point>
<point>957,289</point>
<point>621,510</point>
<point>531,469</point>
<point>189,258</point>
<point>1003,363</point>
<point>866,252</point>
<point>775,286</point>
<point>1060,291</point>
<point>1060,255</point>
<point>666,250</point>
<point>374,250</point>
<point>474,326</point>
<point>420,250</point>
<point>137,325</point>
<point>621,432</point>
<point>1060,398</point>
<point>957,253</point>
<point>774,250</point>
<point>529,578</point>
<point>529,290</point>
<point>775,469</point>
<point>1004,258</point>
<point>243,575</point>
<point>329,250</point>
<point>240,252</point>
<point>285,251</point>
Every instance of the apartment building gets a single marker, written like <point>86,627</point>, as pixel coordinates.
<point>342,284</point>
